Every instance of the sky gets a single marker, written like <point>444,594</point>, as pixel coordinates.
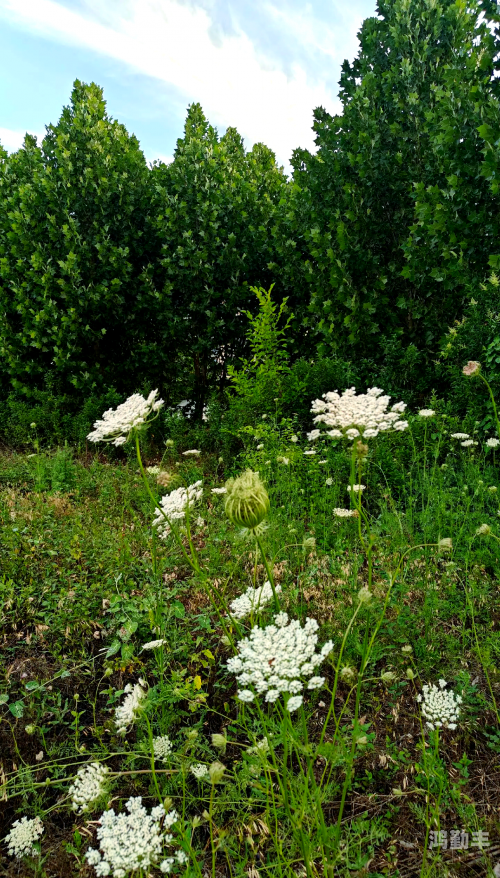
<point>261,66</point>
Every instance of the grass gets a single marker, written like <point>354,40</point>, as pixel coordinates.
<point>353,783</point>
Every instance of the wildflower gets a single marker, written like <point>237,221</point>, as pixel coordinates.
<point>426,413</point>
<point>200,522</point>
<point>407,648</point>
<point>131,842</point>
<point>493,489</point>
<point>216,771</point>
<point>468,443</point>
<point>30,730</point>
<point>352,415</point>
<point>345,513</point>
<point>173,507</point>
<point>313,435</point>
<point>329,482</point>
<point>125,713</point>
<point>192,452</point>
<point>33,426</point>
<point>294,438</point>
<point>247,501</point>
<point>275,658</point>
<point>219,741</point>
<point>388,677</point>
<point>153,644</point>
<point>169,443</point>
<point>472,368</point>
<point>309,452</point>
<point>252,600</point>
<point>410,673</point>
<point>284,460</point>
<point>364,595</point>
<point>483,531</point>
<point>322,462</point>
<point>88,786</point>
<point>308,543</point>
<point>439,708</point>
<point>316,683</point>
<point>460,436</point>
<point>219,490</point>
<point>23,836</point>
<point>162,747</point>
<point>199,771</point>
<point>492,442</point>
<point>445,544</point>
<point>117,425</point>
<point>356,488</point>
<point>260,748</point>
<point>294,703</point>
<point>260,447</point>
<point>348,674</point>
<point>153,470</point>
<point>163,479</point>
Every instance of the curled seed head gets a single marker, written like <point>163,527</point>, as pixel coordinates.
<point>247,501</point>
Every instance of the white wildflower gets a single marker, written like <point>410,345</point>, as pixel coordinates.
<point>125,713</point>
<point>406,648</point>
<point>294,703</point>
<point>246,695</point>
<point>116,425</point>
<point>309,451</point>
<point>468,443</point>
<point>313,435</point>
<point>345,513</point>
<point>426,413</point>
<point>253,600</point>
<point>356,488</point>
<point>88,786</point>
<point>459,435</point>
<point>492,442</point>
<point>483,530</point>
<point>439,708</point>
<point>493,489</point>
<point>192,452</point>
<point>445,544</point>
<point>316,683</point>
<point>162,747</point>
<point>275,658</point>
<point>294,438</point>
<point>131,842</point>
<point>322,461</point>
<point>174,507</point>
<point>199,771</point>
<point>260,748</point>
<point>23,836</point>
<point>219,490</point>
<point>153,470</point>
<point>329,482</point>
<point>260,447</point>
<point>284,460</point>
<point>366,414</point>
<point>154,644</point>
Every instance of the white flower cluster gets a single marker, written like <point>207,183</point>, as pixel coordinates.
<point>356,488</point>
<point>199,771</point>
<point>345,513</point>
<point>439,708</point>
<point>274,658</point>
<point>492,442</point>
<point>468,443</point>
<point>133,841</point>
<point>22,837</point>
<point>219,490</point>
<point>365,415</point>
<point>153,644</point>
<point>174,507</point>
<point>162,747</point>
<point>459,435</point>
<point>426,413</point>
<point>253,600</point>
<point>117,424</point>
<point>125,713</point>
<point>88,786</point>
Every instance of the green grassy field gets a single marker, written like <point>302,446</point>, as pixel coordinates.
<point>352,782</point>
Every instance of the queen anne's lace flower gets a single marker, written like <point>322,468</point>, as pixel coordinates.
<point>356,488</point>
<point>116,425</point>
<point>174,507</point>
<point>154,644</point>
<point>192,452</point>
<point>162,747</point>
<point>350,415</point>
<point>21,839</point>
<point>253,600</point>
<point>125,713</point>
<point>345,513</point>
<point>275,658</point>
<point>468,443</point>
<point>199,771</point>
<point>88,786</point>
<point>294,703</point>
<point>313,435</point>
<point>426,413</point>
<point>439,708</point>
<point>492,442</point>
<point>459,435</point>
<point>131,842</point>
<point>309,452</point>
<point>219,490</point>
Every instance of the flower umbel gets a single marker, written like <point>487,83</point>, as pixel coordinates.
<point>173,507</point>
<point>472,368</point>
<point>88,786</point>
<point>253,600</point>
<point>117,424</point>
<point>22,837</point>
<point>247,501</point>
<point>366,414</point>
<point>125,713</point>
<point>439,708</point>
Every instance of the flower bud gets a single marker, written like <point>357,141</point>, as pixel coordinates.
<point>364,595</point>
<point>308,543</point>
<point>483,531</point>
<point>30,730</point>
<point>169,443</point>
<point>216,771</point>
<point>472,368</point>
<point>348,674</point>
<point>388,676</point>
<point>220,742</point>
<point>247,501</point>
<point>410,674</point>
<point>445,545</point>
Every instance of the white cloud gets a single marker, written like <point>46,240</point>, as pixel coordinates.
<point>233,81</point>
<point>12,140</point>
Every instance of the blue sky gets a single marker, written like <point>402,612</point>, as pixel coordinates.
<point>259,65</point>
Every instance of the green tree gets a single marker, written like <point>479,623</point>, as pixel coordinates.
<point>215,205</point>
<point>76,298</point>
<point>371,292</point>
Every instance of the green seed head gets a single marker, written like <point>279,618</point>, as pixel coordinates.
<point>247,501</point>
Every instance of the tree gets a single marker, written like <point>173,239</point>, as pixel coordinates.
<point>362,193</point>
<point>76,297</point>
<point>215,205</point>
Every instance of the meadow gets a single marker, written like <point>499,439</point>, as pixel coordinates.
<point>267,673</point>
